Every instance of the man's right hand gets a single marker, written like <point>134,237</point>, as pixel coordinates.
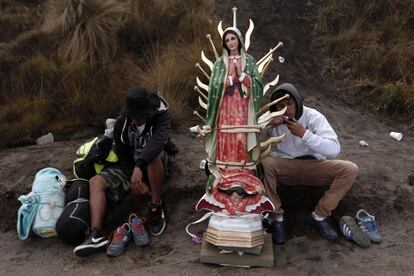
<point>277,121</point>
<point>137,185</point>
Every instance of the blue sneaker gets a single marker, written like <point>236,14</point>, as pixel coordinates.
<point>368,225</point>
<point>139,234</point>
<point>278,229</point>
<point>352,232</point>
<point>324,228</point>
<point>118,240</point>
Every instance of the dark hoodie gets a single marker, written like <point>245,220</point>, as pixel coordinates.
<point>141,149</point>
<point>284,89</point>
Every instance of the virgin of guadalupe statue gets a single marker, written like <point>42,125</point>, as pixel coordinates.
<point>234,97</point>
<point>231,130</point>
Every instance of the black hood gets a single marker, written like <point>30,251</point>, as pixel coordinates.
<point>284,89</point>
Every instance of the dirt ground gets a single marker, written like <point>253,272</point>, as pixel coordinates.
<point>384,186</point>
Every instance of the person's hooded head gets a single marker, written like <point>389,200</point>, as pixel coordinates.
<point>141,104</point>
<point>295,110</point>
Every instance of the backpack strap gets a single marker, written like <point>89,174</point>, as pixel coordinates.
<point>26,214</point>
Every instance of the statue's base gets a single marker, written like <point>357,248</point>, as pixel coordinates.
<point>210,254</point>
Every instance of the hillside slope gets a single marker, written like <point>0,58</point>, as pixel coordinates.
<point>384,186</point>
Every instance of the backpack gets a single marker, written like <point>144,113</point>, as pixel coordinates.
<point>72,227</point>
<point>93,156</point>
<point>43,205</point>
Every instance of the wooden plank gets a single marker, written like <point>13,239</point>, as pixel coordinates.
<point>234,239</point>
<point>258,239</point>
<point>233,234</point>
<point>234,243</point>
<point>210,254</point>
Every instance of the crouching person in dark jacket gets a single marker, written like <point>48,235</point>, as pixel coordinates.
<point>141,135</point>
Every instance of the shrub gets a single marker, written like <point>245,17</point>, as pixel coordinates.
<point>170,71</point>
<point>369,44</point>
<point>85,30</point>
<point>74,69</point>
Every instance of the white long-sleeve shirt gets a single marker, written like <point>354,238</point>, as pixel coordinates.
<point>319,140</point>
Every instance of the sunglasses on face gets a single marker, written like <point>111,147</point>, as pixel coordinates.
<point>283,104</point>
<point>230,38</point>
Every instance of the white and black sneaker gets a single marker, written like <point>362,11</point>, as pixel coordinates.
<point>156,219</point>
<point>94,243</point>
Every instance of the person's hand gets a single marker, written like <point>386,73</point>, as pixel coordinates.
<point>232,70</point>
<point>295,127</point>
<point>238,68</point>
<point>137,185</point>
<point>277,121</point>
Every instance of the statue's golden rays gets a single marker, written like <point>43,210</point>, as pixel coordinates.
<point>280,44</point>
<point>197,89</point>
<point>202,70</point>
<point>248,34</point>
<point>272,83</point>
<point>234,17</point>
<point>266,66</point>
<point>201,84</point>
<point>212,45</point>
<point>206,60</point>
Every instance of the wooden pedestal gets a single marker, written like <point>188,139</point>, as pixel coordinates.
<point>210,254</point>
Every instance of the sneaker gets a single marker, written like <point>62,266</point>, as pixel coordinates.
<point>94,243</point>
<point>324,228</point>
<point>157,219</point>
<point>119,240</point>
<point>368,225</point>
<point>352,232</point>
<point>139,234</point>
<point>278,229</point>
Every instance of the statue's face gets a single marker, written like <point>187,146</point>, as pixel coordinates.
<point>232,42</point>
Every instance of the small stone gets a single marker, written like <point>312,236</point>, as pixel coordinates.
<point>45,139</point>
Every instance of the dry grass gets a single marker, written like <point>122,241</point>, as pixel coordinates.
<point>22,118</point>
<point>15,18</point>
<point>169,71</point>
<point>85,30</point>
<point>74,68</point>
<point>370,46</point>
<point>153,18</point>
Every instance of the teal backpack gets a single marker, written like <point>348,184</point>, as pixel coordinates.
<point>42,207</point>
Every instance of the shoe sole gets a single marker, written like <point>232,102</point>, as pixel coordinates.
<point>163,226</point>
<point>87,249</point>
<point>138,237</point>
<point>116,252</point>
<point>373,240</point>
<point>140,243</point>
<point>278,242</point>
<point>161,231</point>
<point>358,235</point>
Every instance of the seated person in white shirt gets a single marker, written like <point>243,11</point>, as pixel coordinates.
<point>302,159</point>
